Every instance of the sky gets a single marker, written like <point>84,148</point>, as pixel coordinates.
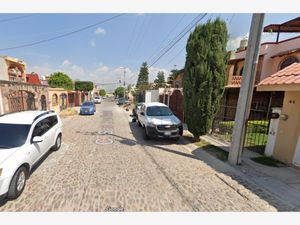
<point>101,52</point>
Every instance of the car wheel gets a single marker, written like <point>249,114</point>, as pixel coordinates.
<point>139,123</point>
<point>57,143</point>
<point>145,135</point>
<point>17,183</point>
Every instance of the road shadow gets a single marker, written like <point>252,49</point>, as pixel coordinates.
<point>216,164</point>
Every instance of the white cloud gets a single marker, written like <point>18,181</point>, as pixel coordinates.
<point>102,69</point>
<point>100,31</point>
<point>92,43</point>
<point>234,43</point>
<point>66,62</point>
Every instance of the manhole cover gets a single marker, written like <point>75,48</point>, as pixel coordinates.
<point>104,141</point>
<point>114,209</point>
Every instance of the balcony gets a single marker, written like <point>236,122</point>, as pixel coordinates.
<point>234,81</point>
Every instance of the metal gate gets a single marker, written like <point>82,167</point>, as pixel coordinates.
<point>20,101</point>
<point>176,104</point>
<point>257,126</point>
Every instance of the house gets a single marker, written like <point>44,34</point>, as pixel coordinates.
<point>285,143</point>
<point>273,56</point>
<point>16,94</point>
<point>33,78</point>
<point>58,99</point>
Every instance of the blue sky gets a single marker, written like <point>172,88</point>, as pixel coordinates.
<point>97,53</point>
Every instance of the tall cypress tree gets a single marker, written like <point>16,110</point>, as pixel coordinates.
<point>160,80</point>
<point>204,77</point>
<point>143,78</point>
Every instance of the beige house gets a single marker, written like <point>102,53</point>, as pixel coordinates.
<point>58,99</point>
<point>284,136</point>
<point>16,94</point>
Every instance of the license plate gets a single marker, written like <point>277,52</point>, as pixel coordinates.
<point>167,133</point>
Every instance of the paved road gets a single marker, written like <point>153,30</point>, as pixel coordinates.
<point>105,165</point>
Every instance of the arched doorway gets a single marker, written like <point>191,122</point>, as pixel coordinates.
<point>20,101</point>
<point>63,101</point>
<point>43,102</point>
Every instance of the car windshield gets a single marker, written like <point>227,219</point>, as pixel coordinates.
<point>158,111</point>
<point>97,97</point>
<point>87,104</point>
<point>13,135</point>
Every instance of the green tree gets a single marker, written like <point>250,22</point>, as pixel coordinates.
<point>143,78</point>
<point>102,92</point>
<point>159,81</point>
<point>84,86</point>
<point>172,76</point>
<point>60,80</point>
<point>119,92</point>
<point>204,77</point>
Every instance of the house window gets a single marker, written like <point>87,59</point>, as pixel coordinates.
<point>54,100</point>
<point>287,61</point>
<point>241,71</point>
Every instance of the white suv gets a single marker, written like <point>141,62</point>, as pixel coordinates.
<point>24,138</point>
<point>159,121</point>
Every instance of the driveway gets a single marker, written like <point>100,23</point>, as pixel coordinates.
<point>105,165</point>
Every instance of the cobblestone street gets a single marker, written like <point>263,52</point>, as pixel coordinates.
<point>105,165</point>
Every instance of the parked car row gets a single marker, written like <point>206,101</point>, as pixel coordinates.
<point>157,121</point>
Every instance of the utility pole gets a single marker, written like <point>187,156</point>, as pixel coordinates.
<point>246,90</point>
<point>124,83</point>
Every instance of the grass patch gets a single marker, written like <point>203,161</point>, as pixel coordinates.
<point>213,150</point>
<point>68,112</point>
<point>267,161</point>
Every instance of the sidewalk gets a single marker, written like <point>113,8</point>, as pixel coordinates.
<point>283,183</point>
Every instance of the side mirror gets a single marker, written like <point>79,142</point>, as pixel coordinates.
<point>142,114</point>
<point>37,139</point>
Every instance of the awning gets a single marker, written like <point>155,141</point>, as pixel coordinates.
<point>286,52</point>
<point>287,79</point>
<point>291,26</point>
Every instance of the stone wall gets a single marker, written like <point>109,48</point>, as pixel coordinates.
<point>18,96</point>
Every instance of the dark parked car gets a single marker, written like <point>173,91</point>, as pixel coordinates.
<point>122,101</point>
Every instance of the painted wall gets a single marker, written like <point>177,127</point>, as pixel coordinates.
<point>288,130</point>
<point>58,91</point>
<point>270,65</point>
<point>3,69</point>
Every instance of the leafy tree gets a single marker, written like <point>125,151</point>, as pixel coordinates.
<point>204,77</point>
<point>102,92</point>
<point>159,81</point>
<point>60,80</point>
<point>143,78</point>
<point>119,92</point>
<point>84,86</point>
<point>172,76</point>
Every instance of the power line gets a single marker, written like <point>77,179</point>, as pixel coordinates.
<point>167,37</point>
<point>16,18</point>
<point>175,39</point>
<point>62,35</point>
<point>181,50</point>
<point>168,49</point>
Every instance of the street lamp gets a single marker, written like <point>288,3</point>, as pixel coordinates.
<point>124,77</point>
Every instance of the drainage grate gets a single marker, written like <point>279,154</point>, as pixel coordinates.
<point>114,209</point>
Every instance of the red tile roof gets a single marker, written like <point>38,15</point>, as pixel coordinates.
<point>288,75</point>
<point>33,78</point>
